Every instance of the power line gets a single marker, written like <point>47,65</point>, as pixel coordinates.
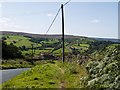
<point>56,17</point>
<point>53,21</point>
<point>62,5</point>
<point>66,3</point>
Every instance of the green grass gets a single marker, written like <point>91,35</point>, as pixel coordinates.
<point>50,75</point>
<point>84,45</point>
<point>60,50</point>
<point>81,47</point>
<point>0,36</point>
<point>20,40</point>
<point>36,52</point>
<point>17,63</point>
<point>49,42</point>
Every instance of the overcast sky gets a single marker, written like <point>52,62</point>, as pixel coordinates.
<point>91,19</point>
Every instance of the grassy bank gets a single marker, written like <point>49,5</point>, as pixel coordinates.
<point>50,75</point>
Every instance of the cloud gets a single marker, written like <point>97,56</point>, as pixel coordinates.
<point>8,24</point>
<point>0,5</point>
<point>50,15</point>
<point>95,21</point>
<point>4,20</point>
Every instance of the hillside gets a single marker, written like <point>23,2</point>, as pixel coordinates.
<point>102,73</point>
<point>46,43</point>
<point>104,70</point>
<point>58,36</point>
<point>89,63</point>
<point>51,48</point>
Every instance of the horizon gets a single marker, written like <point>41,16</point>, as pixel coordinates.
<point>89,19</point>
<point>55,34</point>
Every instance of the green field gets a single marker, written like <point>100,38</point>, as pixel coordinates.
<point>88,63</point>
<point>19,40</point>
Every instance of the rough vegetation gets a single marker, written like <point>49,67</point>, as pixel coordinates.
<point>89,63</point>
<point>104,72</point>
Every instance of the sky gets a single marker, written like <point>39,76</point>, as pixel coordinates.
<point>91,19</point>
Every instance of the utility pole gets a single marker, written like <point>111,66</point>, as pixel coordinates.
<point>32,50</point>
<point>32,54</point>
<point>63,57</point>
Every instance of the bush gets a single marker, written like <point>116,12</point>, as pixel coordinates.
<point>105,72</point>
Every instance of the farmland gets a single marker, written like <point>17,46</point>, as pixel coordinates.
<point>89,63</point>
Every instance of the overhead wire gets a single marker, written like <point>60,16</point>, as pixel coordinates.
<point>55,17</point>
<point>66,3</point>
<point>53,21</point>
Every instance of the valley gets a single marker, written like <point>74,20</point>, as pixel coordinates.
<point>89,63</point>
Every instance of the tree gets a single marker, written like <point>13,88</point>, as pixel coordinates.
<point>10,51</point>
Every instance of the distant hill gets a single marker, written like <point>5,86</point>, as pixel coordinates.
<point>39,35</point>
<point>58,36</point>
<point>107,39</point>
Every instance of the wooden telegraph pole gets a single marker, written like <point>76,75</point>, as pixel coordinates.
<point>63,53</point>
<point>32,50</point>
